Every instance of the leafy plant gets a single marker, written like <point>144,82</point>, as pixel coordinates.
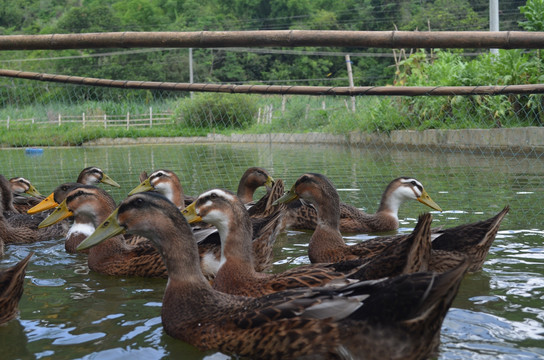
<point>216,111</point>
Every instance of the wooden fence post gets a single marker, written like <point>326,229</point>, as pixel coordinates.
<point>270,111</point>
<point>128,120</point>
<point>105,121</point>
<point>59,120</point>
<point>150,117</point>
<point>83,119</point>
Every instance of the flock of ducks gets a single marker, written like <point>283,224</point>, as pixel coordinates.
<point>384,298</point>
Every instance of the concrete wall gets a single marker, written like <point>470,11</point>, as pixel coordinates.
<point>527,139</point>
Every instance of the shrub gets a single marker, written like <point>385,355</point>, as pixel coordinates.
<point>217,111</point>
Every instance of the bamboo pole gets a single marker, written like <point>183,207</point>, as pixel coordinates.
<point>278,38</point>
<point>282,89</point>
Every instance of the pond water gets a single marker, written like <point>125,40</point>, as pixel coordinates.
<point>67,312</point>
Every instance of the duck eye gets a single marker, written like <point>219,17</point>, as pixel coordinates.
<point>213,196</point>
<point>414,183</point>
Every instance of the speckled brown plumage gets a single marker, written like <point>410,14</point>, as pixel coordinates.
<point>90,206</point>
<point>327,244</point>
<point>236,274</point>
<point>264,207</point>
<point>168,184</point>
<point>11,289</point>
<point>473,240</point>
<point>302,215</point>
<point>91,175</point>
<point>18,228</point>
<point>20,186</point>
<point>398,317</point>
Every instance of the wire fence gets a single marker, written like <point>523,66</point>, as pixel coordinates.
<point>500,128</point>
<point>105,121</point>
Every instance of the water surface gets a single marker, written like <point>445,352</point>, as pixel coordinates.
<point>70,313</point>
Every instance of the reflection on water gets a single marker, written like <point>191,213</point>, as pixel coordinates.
<point>68,312</point>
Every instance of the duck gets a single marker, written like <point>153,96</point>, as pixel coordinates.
<point>80,229</point>
<point>20,186</point>
<point>18,228</point>
<point>11,289</point>
<point>265,222</point>
<point>398,317</point>
<point>167,183</point>
<point>89,205</point>
<point>252,179</point>
<point>302,216</point>
<point>236,274</point>
<point>91,175</point>
<point>448,246</point>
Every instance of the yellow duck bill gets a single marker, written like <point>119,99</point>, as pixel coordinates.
<point>289,196</point>
<point>108,229</point>
<point>190,214</point>
<point>108,180</point>
<point>144,186</point>
<point>60,213</point>
<point>426,199</point>
<point>46,204</point>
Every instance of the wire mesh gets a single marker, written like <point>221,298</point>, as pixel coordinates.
<point>495,141</point>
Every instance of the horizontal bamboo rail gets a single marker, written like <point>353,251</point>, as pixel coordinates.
<point>279,38</point>
<point>281,89</point>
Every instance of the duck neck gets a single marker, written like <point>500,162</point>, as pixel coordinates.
<point>327,234</point>
<point>236,242</point>
<point>180,254</point>
<point>177,196</point>
<point>389,205</point>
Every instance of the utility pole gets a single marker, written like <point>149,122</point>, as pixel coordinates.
<point>494,20</point>
<point>191,68</point>
<point>350,78</point>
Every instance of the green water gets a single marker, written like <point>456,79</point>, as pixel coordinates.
<point>67,312</point>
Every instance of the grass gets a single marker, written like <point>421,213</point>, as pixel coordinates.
<point>226,114</point>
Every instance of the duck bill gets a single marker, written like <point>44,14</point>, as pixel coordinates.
<point>190,214</point>
<point>107,180</point>
<point>32,191</point>
<point>289,196</point>
<point>60,213</point>
<point>46,204</point>
<point>108,229</point>
<point>144,186</point>
<point>269,182</point>
<point>426,199</point>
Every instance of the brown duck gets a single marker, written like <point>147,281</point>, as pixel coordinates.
<point>397,317</point>
<point>302,216</point>
<point>89,206</point>
<point>236,274</point>
<point>265,222</point>
<point>91,175</point>
<point>167,183</point>
<point>327,245</point>
<point>18,228</point>
<point>11,289</point>
<point>31,197</point>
